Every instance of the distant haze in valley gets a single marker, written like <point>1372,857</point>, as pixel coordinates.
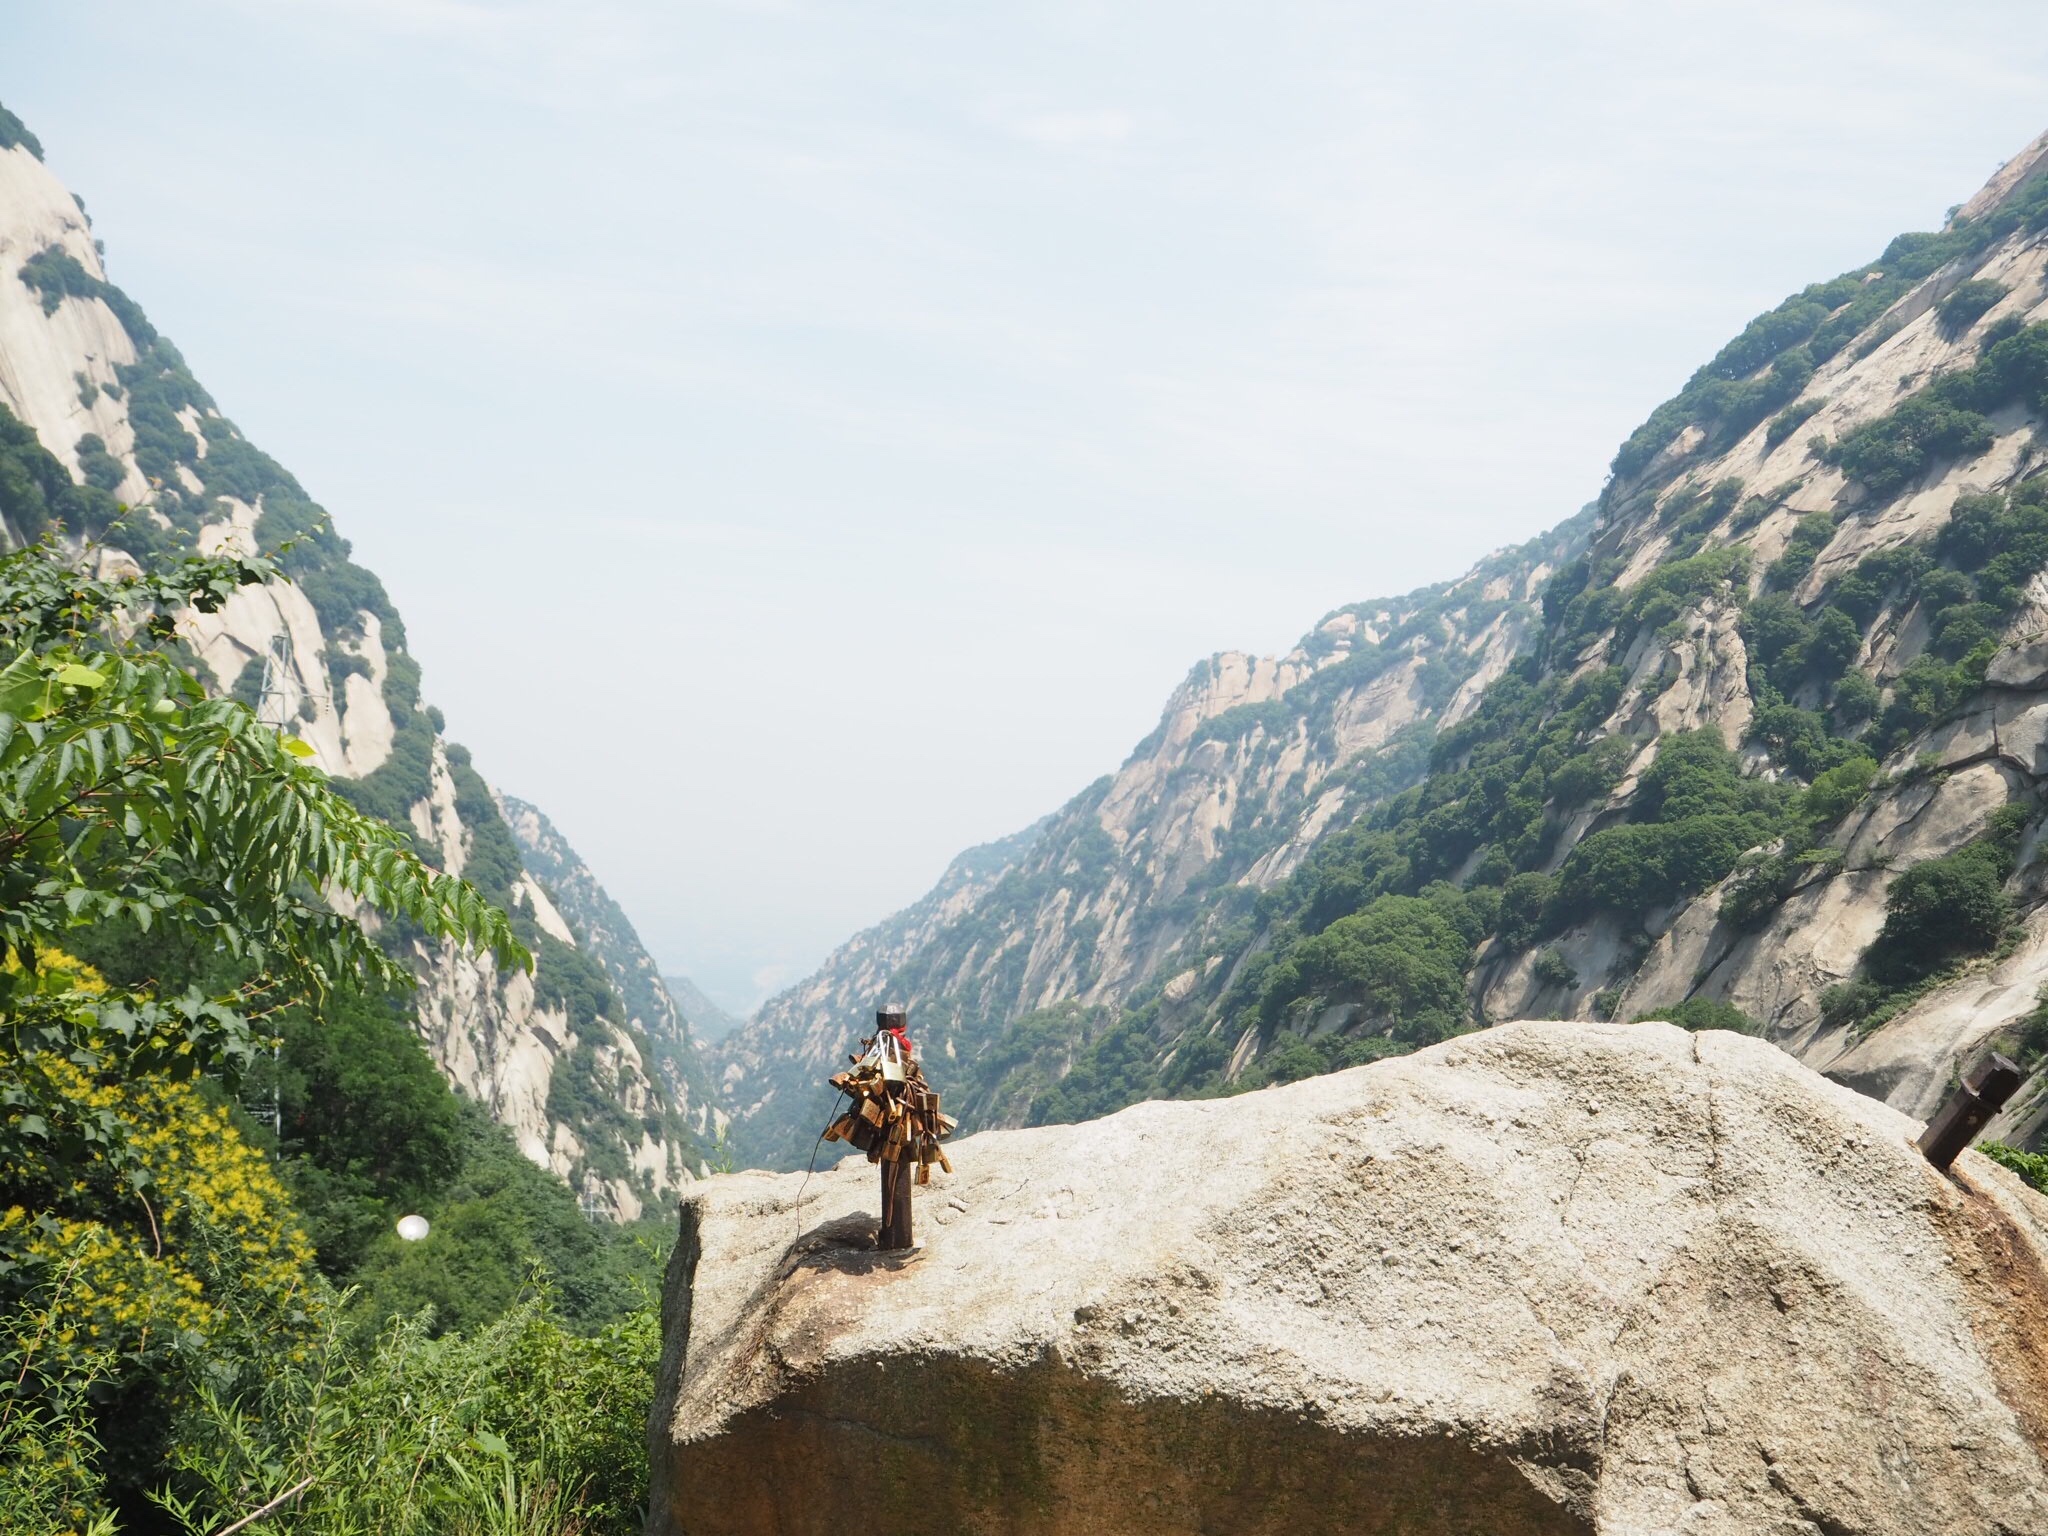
<point>710,1021</point>
<point>806,441</point>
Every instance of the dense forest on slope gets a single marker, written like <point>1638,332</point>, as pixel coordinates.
<point>188,1293</point>
<point>1760,755</point>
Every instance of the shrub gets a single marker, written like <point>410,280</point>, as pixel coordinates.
<point>1943,909</point>
<point>1756,890</point>
<point>1945,419</point>
<point>1678,585</point>
<point>13,132</point>
<point>1553,970</point>
<point>1838,791</point>
<point>1522,903</point>
<point>1691,511</point>
<point>1863,591</point>
<point>49,1444</point>
<point>55,275</point>
<point>1856,699</point>
<point>1705,1013</point>
<point>1799,739</point>
<point>341,666</point>
<point>1887,454</point>
<point>37,492</point>
<point>1398,958</point>
<point>1633,869</point>
<point>99,467</point>
<point>1967,303</point>
<point>1589,774</point>
<point>1790,420</point>
<point>1956,631</point>
<point>1834,644</point>
<point>1935,911</point>
<point>521,1427</point>
<point>1695,816</point>
<point>1928,691</point>
<point>1810,535</point>
<point>1776,631</point>
<point>2031,1166</point>
<point>1975,525</point>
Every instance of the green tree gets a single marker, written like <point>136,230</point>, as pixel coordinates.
<point>127,795</point>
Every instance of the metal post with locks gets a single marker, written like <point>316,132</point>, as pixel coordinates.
<point>895,1119</point>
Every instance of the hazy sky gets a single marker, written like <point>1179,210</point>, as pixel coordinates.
<point>807,439</point>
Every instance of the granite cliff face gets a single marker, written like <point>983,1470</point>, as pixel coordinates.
<point>1563,1277</point>
<point>1808,526</point>
<point>83,370</point>
<point>1759,742</point>
<point>607,935</point>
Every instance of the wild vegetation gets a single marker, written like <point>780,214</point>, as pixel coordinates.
<point>188,487</point>
<point>1768,365</point>
<point>202,1314</point>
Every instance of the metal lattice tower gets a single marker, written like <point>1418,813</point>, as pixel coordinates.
<point>277,705</point>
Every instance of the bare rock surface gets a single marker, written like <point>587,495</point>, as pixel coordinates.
<point>1550,1277</point>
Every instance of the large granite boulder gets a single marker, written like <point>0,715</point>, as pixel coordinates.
<point>1555,1277</point>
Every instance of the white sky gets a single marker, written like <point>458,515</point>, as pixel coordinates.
<point>807,439</point>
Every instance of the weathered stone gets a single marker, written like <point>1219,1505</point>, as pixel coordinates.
<point>2023,733</point>
<point>2020,666</point>
<point>1544,1278</point>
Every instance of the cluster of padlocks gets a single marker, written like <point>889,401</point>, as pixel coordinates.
<point>895,1115</point>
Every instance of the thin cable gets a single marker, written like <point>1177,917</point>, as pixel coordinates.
<point>831,1115</point>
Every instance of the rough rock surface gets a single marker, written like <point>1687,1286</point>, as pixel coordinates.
<point>1563,1277</point>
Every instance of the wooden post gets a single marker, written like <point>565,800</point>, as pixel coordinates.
<point>895,1232</point>
<point>1969,1111</point>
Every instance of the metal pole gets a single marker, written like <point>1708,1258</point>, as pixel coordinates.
<point>895,1233</point>
<point>1969,1111</point>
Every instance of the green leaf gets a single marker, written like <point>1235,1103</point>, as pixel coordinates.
<point>21,685</point>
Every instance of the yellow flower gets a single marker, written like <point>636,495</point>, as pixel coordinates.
<point>134,1278</point>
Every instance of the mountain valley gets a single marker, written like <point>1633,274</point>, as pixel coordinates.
<point>1706,752</point>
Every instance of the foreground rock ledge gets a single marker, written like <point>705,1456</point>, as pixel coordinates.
<point>1544,1278</point>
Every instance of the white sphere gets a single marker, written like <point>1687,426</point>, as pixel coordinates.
<point>412,1228</point>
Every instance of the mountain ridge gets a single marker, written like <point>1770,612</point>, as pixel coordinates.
<point>1252,761</point>
<point>1792,678</point>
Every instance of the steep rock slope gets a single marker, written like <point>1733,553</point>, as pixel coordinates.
<point>1769,753</point>
<point>601,927</point>
<point>98,413</point>
<point>1558,1277</point>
